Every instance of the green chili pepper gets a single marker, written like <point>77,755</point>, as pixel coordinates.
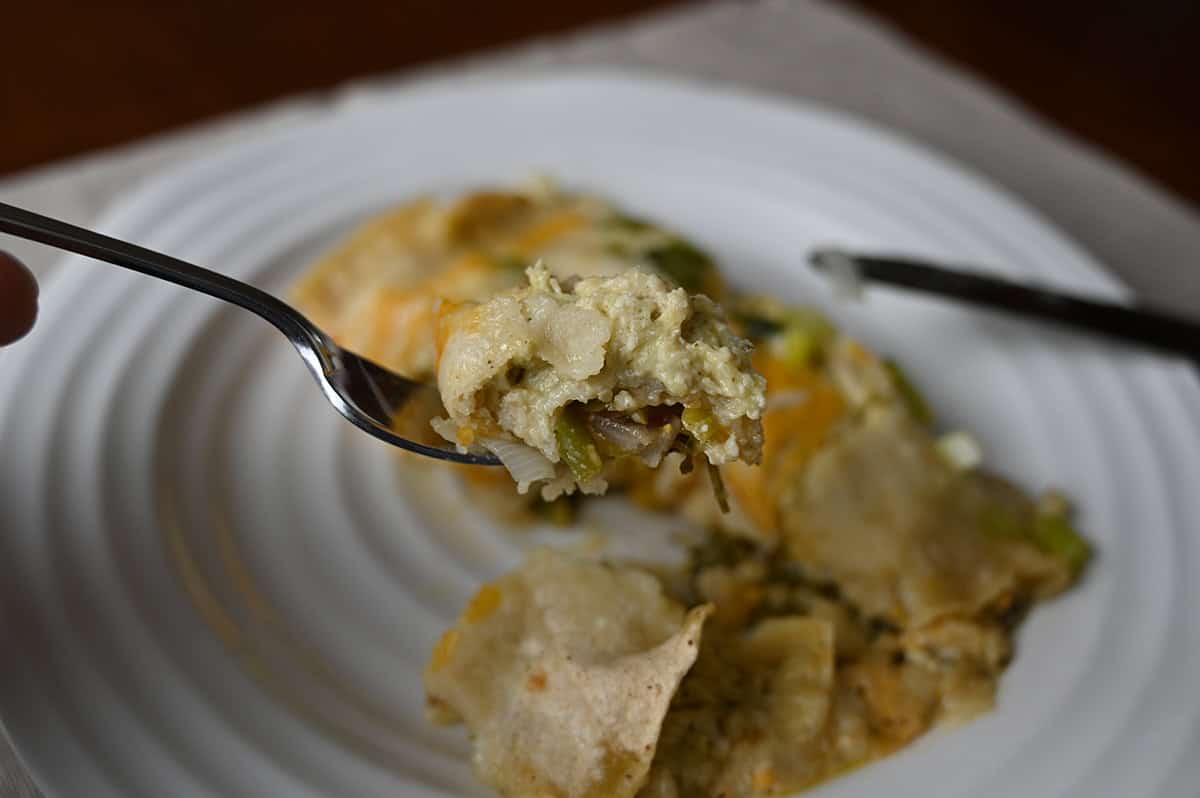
<point>576,446</point>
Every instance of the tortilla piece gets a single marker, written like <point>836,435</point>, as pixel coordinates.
<point>793,686</point>
<point>905,535</point>
<point>752,717</point>
<point>563,671</point>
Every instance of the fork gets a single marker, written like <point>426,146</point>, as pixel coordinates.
<point>368,395</point>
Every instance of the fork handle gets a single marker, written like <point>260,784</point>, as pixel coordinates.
<point>56,233</point>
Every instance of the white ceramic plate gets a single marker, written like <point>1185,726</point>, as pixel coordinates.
<point>212,585</point>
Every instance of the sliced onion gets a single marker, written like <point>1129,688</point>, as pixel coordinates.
<point>446,428</point>
<point>526,464</point>
<point>630,437</point>
<point>625,435</point>
<point>653,454</point>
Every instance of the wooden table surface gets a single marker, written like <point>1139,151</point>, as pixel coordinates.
<point>1122,74</point>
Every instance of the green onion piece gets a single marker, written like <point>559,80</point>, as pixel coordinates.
<point>1054,535</point>
<point>686,266</point>
<point>909,393</point>
<point>576,446</point>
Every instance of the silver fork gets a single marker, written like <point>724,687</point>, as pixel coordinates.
<point>368,395</point>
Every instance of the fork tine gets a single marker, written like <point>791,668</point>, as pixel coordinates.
<point>373,398</point>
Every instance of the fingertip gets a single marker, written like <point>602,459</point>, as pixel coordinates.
<point>18,299</point>
<point>12,262</point>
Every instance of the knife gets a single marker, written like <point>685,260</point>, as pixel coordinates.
<point>1136,324</point>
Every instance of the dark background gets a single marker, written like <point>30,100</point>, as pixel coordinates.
<point>74,76</point>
